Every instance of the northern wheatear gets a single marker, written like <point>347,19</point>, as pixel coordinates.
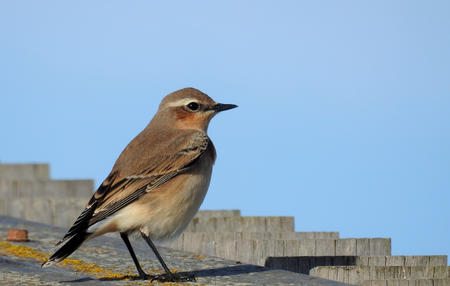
<point>158,182</point>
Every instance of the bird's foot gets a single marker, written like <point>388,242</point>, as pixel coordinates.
<point>175,277</point>
<point>144,276</point>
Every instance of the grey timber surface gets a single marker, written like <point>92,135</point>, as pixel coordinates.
<point>17,189</point>
<point>208,242</point>
<point>239,224</point>
<point>244,235</point>
<point>303,264</point>
<point>407,260</point>
<point>111,254</point>
<point>60,212</point>
<point>25,171</point>
<point>408,282</point>
<point>257,251</point>
<point>217,213</point>
<point>358,274</point>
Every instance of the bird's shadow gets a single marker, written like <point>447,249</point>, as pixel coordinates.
<point>210,272</point>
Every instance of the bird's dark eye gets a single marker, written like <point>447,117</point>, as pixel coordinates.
<point>194,106</point>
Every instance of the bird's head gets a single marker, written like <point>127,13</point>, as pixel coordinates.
<point>189,108</point>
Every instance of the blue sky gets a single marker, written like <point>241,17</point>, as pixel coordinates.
<point>344,106</point>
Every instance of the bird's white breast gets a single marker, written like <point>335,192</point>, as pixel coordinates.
<point>165,212</point>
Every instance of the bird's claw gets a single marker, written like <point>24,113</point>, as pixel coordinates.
<point>175,277</point>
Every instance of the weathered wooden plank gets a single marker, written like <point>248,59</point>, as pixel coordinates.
<point>241,224</point>
<point>218,213</point>
<point>346,246</point>
<point>43,189</point>
<point>380,246</point>
<point>362,246</point>
<point>418,273</point>
<point>325,247</point>
<point>25,171</point>
<point>395,260</point>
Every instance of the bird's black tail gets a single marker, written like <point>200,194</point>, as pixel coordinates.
<point>67,249</point>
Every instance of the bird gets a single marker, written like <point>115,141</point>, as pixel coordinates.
<point>157,184</point>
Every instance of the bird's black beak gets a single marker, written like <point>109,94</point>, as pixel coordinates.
<point>222,107</point>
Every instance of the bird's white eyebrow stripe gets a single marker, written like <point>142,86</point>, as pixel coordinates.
<point>180,102</point>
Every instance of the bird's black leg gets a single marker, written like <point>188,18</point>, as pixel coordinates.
<point>171,277</point>
<point>141,272</point>
<point>153,247</point>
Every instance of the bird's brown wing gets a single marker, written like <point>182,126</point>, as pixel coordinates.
<point>118,191</point>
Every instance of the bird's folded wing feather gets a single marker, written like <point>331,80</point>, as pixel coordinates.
<point>118,191</point>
